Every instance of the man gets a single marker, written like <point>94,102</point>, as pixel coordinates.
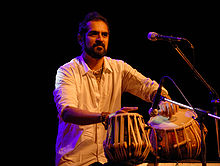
<point>88,89</point>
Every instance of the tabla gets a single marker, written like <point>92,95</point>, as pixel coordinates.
<point>127,138</point>
<point>177,138</point>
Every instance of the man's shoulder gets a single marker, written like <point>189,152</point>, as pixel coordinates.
<point>117,63</point>
<point>72,66</point>
<point>72,63</point>
<point>112,61</point>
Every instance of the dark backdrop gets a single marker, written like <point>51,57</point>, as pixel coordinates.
<point>129,25</point>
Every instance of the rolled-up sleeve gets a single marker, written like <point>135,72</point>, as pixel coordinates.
<point>65,89</point>
<point>139,85</point>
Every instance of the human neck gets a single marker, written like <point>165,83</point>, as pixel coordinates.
<point>93,63</point>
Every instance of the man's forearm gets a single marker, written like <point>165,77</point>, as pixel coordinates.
<point>80,117</point>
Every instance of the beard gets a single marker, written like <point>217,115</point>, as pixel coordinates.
<point>97,51</point>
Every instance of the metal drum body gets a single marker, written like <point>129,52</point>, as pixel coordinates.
<point>126,138</point>
<point>177,138</point>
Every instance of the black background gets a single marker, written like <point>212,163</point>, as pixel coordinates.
<point>129,26</point>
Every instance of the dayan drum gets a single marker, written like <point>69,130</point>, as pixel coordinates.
<point>127,138</point>
<point>177,138</point>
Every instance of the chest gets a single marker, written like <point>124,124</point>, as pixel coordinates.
<point>94,94</point>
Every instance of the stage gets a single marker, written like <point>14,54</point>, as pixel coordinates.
<point>178,164</point>
<point>128,41</point>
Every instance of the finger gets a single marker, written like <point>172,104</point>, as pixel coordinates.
<point>112,114</point>
<point>120,111</point>
<point>176,108</point>
<point>162,110</point>
<point>129,108</point>
<point>171,112</point>
<point>167,111</point>
<point>172,109</point>
<point>126,109</point>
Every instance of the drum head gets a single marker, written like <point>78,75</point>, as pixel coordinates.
<point>183,116</point>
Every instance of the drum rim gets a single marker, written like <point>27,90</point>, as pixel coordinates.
<point>124,114</point>
<point>176,128</point>
<point>189,123</point>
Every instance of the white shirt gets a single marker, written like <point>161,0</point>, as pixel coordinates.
<point>77,86</point>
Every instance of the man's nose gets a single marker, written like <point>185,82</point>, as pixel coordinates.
<point>100,37</point>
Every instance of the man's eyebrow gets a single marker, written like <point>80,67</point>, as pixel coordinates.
<point>105,32</point>
<point>93,32</point>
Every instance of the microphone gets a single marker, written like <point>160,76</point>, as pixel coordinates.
<point>153,36</point>
<point>153,111</point>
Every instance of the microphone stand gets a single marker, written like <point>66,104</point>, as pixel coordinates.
<point>198,110</point>
<point>214,101</point>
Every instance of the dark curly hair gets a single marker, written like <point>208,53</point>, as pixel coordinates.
<point>92,16</point>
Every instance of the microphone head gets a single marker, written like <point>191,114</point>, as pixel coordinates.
<point>152,36</point>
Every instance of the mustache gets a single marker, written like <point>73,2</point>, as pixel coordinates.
<point>98,44</point>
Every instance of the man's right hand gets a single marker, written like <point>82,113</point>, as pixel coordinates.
<point>126,110</point>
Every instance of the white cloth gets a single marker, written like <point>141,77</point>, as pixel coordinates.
<point>77,86</point>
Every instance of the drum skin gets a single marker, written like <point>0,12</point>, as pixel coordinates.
<point>177,138</point>
<point>127,138</point>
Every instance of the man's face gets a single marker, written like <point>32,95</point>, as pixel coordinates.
<point>96,39</point>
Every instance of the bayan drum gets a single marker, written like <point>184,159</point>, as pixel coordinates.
<point>177,138</point>
<point>127,138</point>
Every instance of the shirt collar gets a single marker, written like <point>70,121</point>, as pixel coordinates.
<point>107,66</point>
<point>86,69</point>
